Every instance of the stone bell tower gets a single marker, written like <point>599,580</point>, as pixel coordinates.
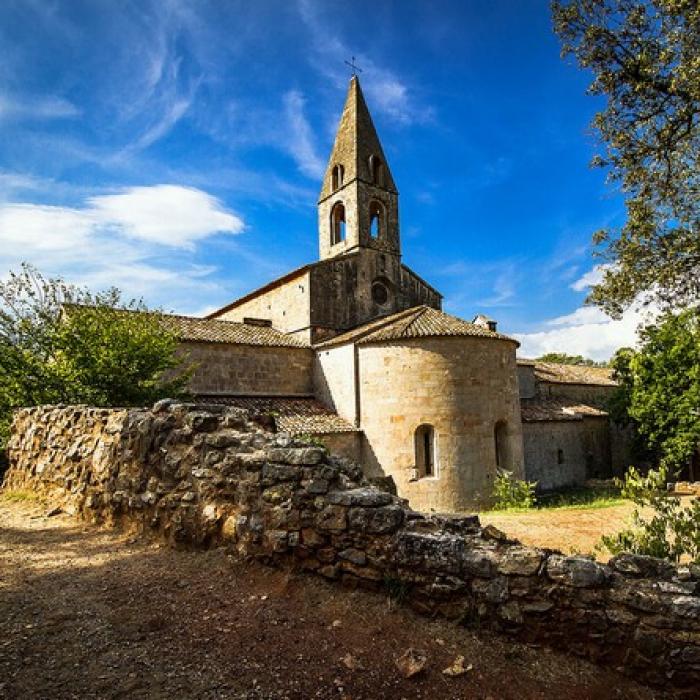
<point>358,206</point>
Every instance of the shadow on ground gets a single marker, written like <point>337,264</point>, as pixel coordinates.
<point>90,613</point>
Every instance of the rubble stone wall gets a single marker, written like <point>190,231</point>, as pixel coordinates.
<point>215,476</point>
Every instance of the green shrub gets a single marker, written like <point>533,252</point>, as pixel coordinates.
<point>509,493</point>
<point>673,531</point>
<point>62,344</point>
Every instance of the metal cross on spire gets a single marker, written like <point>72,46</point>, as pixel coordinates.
<point>355,69</point>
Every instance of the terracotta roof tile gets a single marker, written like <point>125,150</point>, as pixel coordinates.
<point>205,330</point>
<point>556,409</point>
<point>297,416</point>
<point>573,374</point>
<point>417,322</point>
<point>214,331</point>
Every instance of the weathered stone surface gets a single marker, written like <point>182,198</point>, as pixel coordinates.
<point>332,518</point>
<point>494,590</point>
<point>640,565</point>
<point>296,455</point>
<point>576,571</point>
<point>521,561</point>
<point>365,497</point>
<point>378,521</point>
<point>430,552</point>
<point>356,556</point>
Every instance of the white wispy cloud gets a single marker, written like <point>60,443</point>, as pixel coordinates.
<point>587,331</point>
<point>301,142</point>
<point>589,279</point>
<point>140,239</point>
<point>167,214</point>
<point>37,107</point>
<point>170,215</point>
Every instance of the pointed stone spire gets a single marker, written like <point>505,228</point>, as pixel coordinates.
<point>357,148</point>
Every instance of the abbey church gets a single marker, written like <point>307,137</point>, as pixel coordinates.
<point>355,350</point>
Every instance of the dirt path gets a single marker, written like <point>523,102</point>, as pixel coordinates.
<point>86,613</point>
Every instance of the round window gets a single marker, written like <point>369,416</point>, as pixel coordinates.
<point>380,294</point>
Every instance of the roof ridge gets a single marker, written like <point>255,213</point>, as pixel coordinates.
<point>423,309</point>
<point>381,323</point>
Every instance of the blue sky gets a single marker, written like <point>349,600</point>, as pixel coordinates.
<point>175,149</point>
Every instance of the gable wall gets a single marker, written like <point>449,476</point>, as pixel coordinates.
<point>287,305</point>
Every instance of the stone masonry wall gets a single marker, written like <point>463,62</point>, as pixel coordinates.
<point>228,368</point>
<point>215,476</point>
<point>565,453</point>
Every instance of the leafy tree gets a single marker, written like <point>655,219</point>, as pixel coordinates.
<point>659,388</point>
<point>645,60</point>
<point>561,358</point>
<point>671,532</point>
<point>62,344</point>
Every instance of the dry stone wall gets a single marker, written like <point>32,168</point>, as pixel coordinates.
<point>216,475</point>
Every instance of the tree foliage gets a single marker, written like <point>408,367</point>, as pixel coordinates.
<point>62,344</point>
<point>673,529</point>
<point>645,61</point>
<point>659,387</point>
<point>511,493</point>
<point>562,358</point>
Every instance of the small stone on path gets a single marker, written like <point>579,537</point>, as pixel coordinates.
<point>411,662</point>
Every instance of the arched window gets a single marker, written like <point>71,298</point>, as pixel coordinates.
<point>425,451</point>
<point>376,219</point>
<point>337,223</point>
<point>337,176</point>
<point>500,438</point>
<point>376,171</point>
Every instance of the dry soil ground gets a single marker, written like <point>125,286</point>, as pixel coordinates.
<point>89,613</point>
<point>567,529</point>
<point>571,530</point>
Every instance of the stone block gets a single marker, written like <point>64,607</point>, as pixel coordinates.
<point>365,497</point>
<point>333,518</point>
<point>576,571</point>
<point>377,521</point>
<point>521,561</point>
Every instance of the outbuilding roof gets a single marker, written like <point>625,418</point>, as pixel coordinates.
<point>556,409</point>
<point>417,322</point>
<point>297,416</point>
<point>205,330</point>
<point>556,373</point>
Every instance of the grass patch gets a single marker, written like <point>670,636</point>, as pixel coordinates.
<point>576,498</point>
<point>582,497</point>
<point>18,496</point>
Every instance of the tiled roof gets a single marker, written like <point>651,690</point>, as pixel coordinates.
<point>297,416</point>
<point>417,322</point>
<point>556,373</point>
<point>556,409</point>
<point>205,330</point>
